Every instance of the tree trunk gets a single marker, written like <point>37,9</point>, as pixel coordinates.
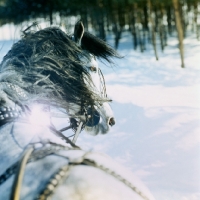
<point>140,40</point>
<point>145,11</point>
<point>161,28</point>
<point>195,19</point>
<point>132,25</point>
<point>169,20</point>
<point>141,31</point>
<point>51,15</point>
<point>161,36</point>
<point>153,35</point>
<point>179,30</point>
<point>117,31</point>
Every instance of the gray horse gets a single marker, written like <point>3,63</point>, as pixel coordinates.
<point>46,75</point>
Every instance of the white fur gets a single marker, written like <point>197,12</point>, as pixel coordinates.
<point>105,110</point>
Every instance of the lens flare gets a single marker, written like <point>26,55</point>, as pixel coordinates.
<point>39,116</point>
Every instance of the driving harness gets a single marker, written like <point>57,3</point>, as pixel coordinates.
<point>35,152</point>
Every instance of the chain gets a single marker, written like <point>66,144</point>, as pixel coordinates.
<point>114,174</point>
<point>64,172</point>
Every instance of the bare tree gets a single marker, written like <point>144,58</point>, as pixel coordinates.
<point>179,30</point>
<point>153,29</point>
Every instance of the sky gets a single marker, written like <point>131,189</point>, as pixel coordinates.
<point>157,111</point>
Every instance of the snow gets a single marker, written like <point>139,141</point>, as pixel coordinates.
<point>157,110</point>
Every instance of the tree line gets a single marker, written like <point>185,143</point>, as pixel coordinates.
<point>149,21</point>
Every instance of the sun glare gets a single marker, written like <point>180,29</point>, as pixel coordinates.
<point>38,116</point>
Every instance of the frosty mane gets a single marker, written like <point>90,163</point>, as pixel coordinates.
<point>46,64</point>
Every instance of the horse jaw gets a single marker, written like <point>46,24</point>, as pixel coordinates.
<point>103,127</point>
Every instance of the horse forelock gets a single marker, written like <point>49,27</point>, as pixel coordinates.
<point>47,65</point>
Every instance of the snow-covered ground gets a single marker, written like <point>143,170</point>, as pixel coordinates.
<point>157,109</point>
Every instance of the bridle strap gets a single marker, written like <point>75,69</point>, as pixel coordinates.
<point>77,132</point>
<point>59,133</point>
<point>15,193</point>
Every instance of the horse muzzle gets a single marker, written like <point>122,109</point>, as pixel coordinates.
<point>111,121</point>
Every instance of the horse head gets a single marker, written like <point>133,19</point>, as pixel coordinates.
<point>55,69</point>
<point>102,118</point>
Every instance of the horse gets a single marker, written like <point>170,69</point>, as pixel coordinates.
<point>47,75</point>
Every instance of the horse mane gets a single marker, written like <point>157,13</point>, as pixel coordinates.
<point>98,47</point>
<point>47,65</point>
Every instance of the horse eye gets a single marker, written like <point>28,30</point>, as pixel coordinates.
<point>93,69</point>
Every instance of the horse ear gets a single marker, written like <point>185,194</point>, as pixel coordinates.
<point>78,32</point>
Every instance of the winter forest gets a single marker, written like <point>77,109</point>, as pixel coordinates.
<point>155,87</point>
<point>144,19</point>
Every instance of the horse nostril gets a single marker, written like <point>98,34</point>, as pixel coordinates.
<point>112,121</point>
